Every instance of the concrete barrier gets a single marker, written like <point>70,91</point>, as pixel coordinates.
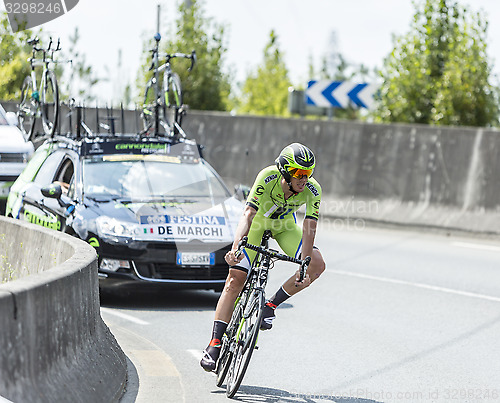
<point>415,175</point>
<point>54,346</point>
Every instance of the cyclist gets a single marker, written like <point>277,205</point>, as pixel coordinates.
<point>277,193</point>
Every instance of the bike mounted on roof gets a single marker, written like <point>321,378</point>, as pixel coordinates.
<point>40,100</point>
<point>163,106</point>
<point>161,112</point>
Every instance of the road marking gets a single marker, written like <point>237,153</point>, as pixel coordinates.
<point>124,316</point>
<point>477,246</point>
<point>157,373</point>
<point>418,285</point>
<point>155,363</point>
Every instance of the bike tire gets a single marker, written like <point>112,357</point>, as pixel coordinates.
<point>50,103</point>
<point>224,362</point>
<point>173,99</point>
<point>153,107</point>
<point>26,112</point>
<point>246,343</point>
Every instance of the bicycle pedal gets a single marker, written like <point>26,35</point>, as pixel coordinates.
<point>256,347</point>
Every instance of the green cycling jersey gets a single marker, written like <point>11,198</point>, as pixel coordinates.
<point>267,197</point>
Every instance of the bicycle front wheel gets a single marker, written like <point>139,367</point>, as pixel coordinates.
<point>248,332</point>
<point>50,103</point>
<point>153,109</point>
<point>26,112</point>
<point>173,98</point>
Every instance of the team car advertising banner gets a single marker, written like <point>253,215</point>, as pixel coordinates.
<point>202,227</point>
<point>186,222</point>
<point>177,153</point>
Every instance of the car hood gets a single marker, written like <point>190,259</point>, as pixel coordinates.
<point>12,141</point>
<point>176,220</point>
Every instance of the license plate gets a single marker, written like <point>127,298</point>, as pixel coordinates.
<point>195,259</point>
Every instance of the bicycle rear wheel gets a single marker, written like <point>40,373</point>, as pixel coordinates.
<point>224,361</point>
<point>246,341</point>
<point>26,112</point>
<point>50,103</point>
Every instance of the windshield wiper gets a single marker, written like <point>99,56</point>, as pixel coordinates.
<point>108,198</point>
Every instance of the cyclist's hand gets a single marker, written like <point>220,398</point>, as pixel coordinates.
<point>231,259</point>
<point>304,283</point>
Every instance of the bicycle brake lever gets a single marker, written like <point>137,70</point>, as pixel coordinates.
<point>193,60</point>
<point>241,245</point>
<point>303,269</point>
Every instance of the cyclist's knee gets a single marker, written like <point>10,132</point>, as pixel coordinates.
<point>317,266</point>
<point>235,281</point>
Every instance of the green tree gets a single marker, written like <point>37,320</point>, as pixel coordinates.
<point>14,66</point>
<point>265,91</point>
<point>439,72</point>
<point>207,86</point>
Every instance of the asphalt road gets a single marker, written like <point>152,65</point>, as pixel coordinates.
<point>397,317</point>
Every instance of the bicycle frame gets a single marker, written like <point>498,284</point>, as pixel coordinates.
<point>241,337</point>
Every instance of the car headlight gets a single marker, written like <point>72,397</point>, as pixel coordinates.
<point>114,264</point>
<point>113,229</point>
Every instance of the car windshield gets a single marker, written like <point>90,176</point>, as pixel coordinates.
<point>146,177</point>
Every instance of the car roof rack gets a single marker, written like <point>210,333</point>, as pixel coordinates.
<point>79,122</point>
<point>76,133</point>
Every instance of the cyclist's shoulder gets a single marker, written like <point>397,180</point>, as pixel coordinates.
<point>314,187</point>
<point>267,175</point>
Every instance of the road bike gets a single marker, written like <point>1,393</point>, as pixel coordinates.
<point>42,100</point>
<point>163,105</point>
<point>240,338</point>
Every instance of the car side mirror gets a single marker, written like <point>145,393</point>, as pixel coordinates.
<point>11,118</point>
<point>241,192</point>
<point>53,191</point>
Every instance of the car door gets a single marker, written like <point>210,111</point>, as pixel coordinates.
<point>37,209</point>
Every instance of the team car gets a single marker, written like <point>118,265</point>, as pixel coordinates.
<point>156,212</point>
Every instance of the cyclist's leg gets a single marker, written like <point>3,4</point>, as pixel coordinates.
<point>234,284</point>
<point>290,240</point>
<point>236,277</point>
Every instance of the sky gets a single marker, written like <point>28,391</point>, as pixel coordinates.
<point>364,30</point>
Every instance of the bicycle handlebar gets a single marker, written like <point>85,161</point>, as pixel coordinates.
<point>276,255</point>
<point>169,56</point>
<point>35,41</point>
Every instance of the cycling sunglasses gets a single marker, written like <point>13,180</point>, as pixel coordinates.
<point>299,173</point>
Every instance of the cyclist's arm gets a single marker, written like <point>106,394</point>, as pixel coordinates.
<point>308,234</point>
<point>241,231</point>
<point>311,219</point>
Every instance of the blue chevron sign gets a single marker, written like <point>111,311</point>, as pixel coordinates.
<point>340,94</point>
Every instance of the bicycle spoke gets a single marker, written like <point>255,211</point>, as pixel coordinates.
<point>50,103</point>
